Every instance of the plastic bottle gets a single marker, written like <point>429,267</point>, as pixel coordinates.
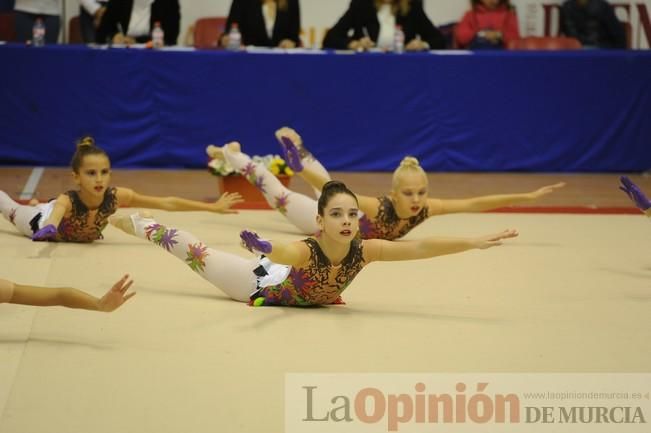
<point>398,40</point>
<point>38,33</point>
<point>157,36</point>
<point>234,38</point>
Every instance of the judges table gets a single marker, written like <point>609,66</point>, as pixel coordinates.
<point>456,111</point>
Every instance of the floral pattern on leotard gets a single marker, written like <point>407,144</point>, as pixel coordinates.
<point>75,227</point>
<point>387,225</point>
<point>319,282</point>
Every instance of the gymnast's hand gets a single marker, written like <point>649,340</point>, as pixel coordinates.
<point>45,234</point>
<point>635,194</point>
<point>226,201</point>
<point>252,242</point>
<point>494,240</point>
<point>116,296</point>
<point>546,190</point>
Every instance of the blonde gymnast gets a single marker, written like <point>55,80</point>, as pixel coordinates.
<point>314,271</point>
<point>82,215</point>
<point>387,217</point>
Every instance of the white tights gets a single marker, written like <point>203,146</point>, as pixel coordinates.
<point>21,215</point>
<point>230,273</point>
<point>312,164</point>
<point>299,209</point>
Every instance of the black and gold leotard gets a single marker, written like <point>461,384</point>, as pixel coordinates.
<point>319,282</point>
<point>387,225</point>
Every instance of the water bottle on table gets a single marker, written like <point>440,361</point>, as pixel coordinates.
<point>38,33</point>
<point>234,38</point>
<point>157,36</point>
<point>398,40</point>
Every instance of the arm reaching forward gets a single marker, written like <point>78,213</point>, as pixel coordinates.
<point>388,251</point>
<point>130,198</point>
<point>488,202</point>
<point>66,296</point>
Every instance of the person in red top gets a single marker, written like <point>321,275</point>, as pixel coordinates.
<point>490,24</point>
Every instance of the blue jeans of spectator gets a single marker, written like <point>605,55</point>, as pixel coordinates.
<point>25,23</point>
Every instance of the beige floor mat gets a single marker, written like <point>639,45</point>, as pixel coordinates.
<point>572,294</point>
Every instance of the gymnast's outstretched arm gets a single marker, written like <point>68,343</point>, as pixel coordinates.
<point>113,299</point>
<point>389,251</point>
<point>488,202</point>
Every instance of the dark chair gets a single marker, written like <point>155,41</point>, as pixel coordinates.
<point>74,31</point>
<point>7,27</point>
<point>447,30</point>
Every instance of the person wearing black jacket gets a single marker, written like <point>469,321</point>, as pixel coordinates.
<point>119,13</point>
<point>593,22</point>
<point>373,23</point>
<point>265,23</point>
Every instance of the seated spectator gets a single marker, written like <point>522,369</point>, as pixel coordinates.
<point>28,11</point>
<point>265,23</point>
<point>489,24</point>
<point>373,23</point>
<point>593,22</point>
<point>129,21</point>
<point>90,16</point>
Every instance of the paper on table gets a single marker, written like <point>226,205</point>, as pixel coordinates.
<point>276,50</point>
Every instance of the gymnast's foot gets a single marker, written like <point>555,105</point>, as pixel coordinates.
<point>290,134</point>
<point>292,146</point>
<point>128,223</point>
<point>216,152</point>
<point>286,134</point>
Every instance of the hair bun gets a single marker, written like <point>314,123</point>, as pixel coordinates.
<point>85,141</point>
<point>409,161</point>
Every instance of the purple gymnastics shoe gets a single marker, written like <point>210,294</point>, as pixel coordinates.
<point>252,242</point>
<point>635,193</point>
<point>45,234</point>
<point>291,154</point>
